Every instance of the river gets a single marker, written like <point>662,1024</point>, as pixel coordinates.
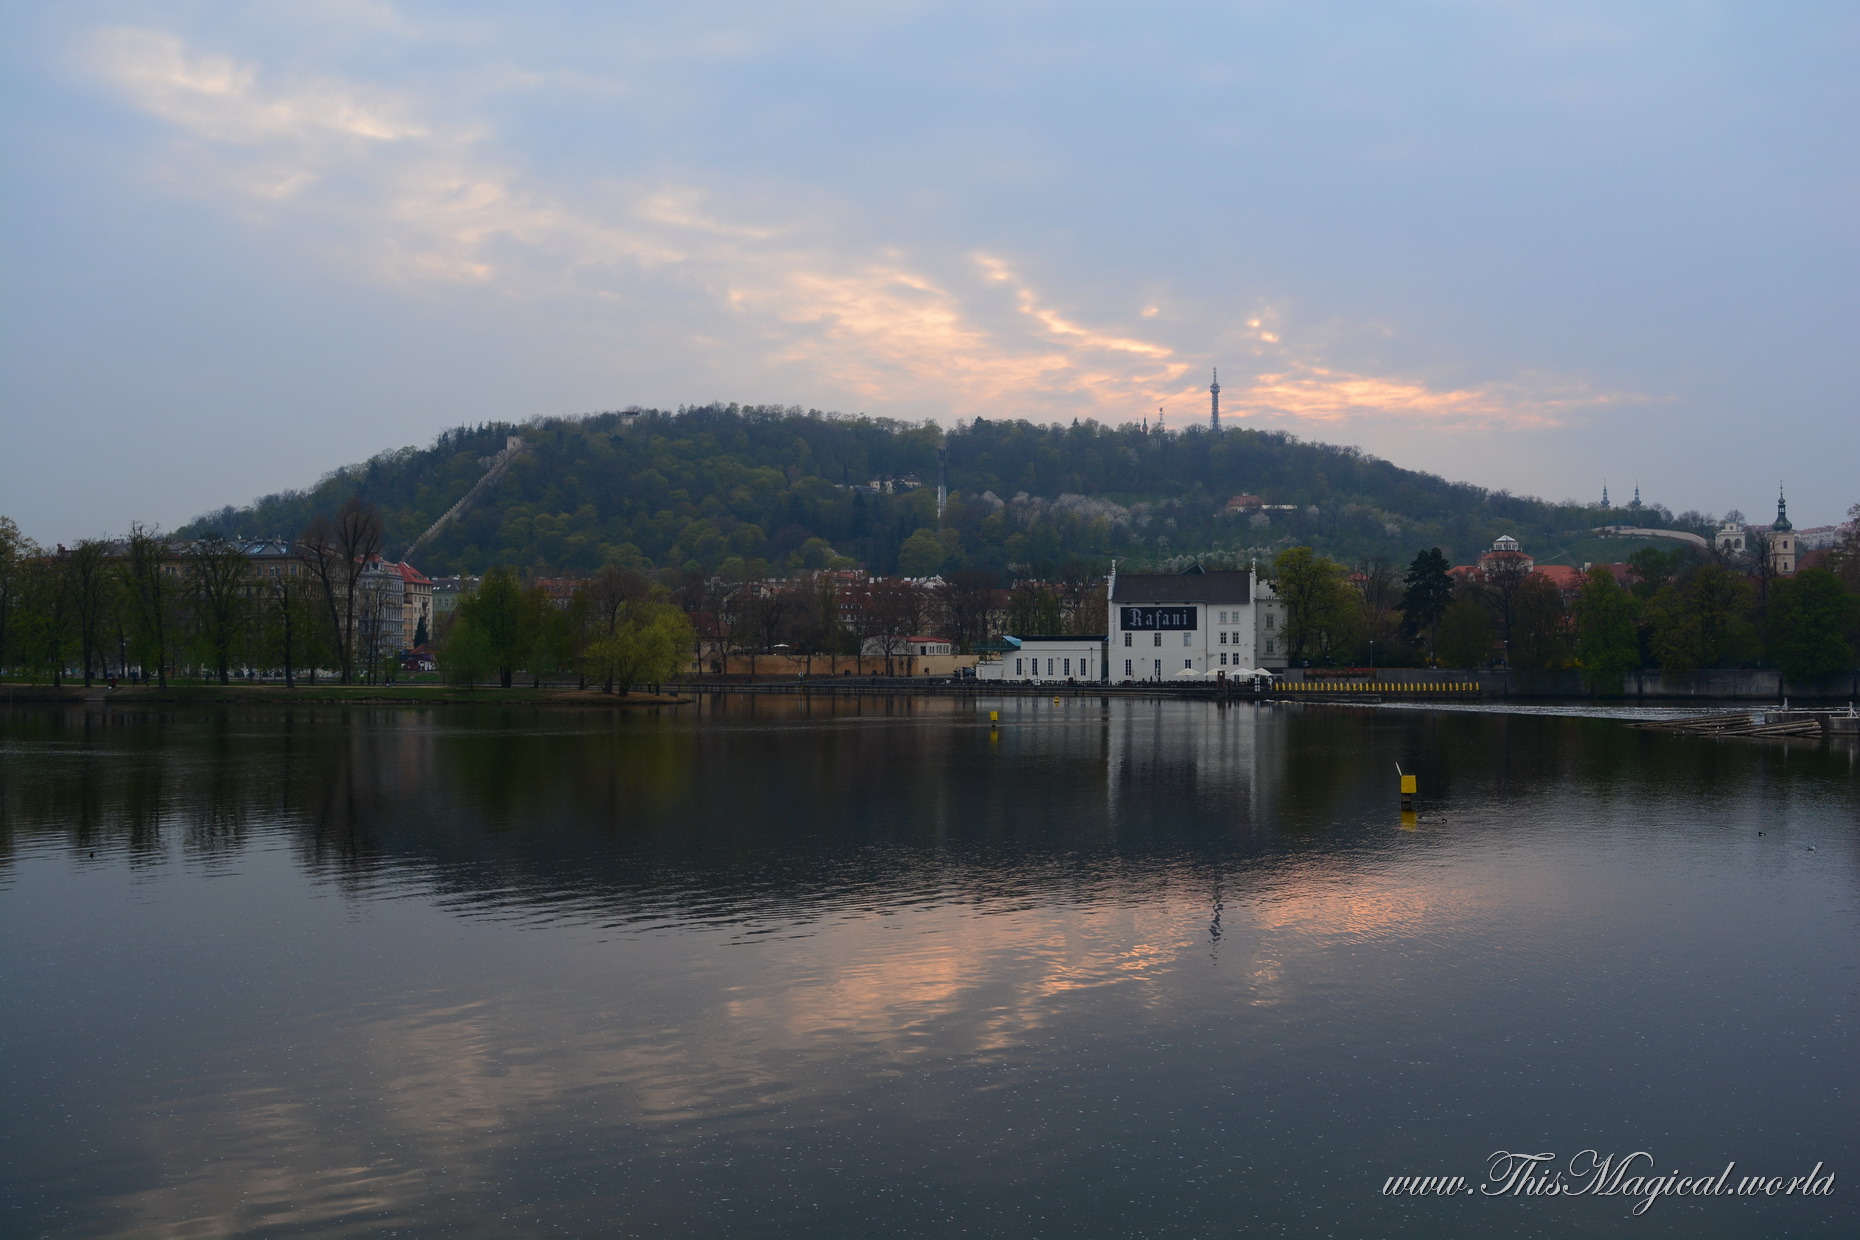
<point>765,967</point>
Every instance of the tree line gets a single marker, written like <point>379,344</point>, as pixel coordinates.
<point>1678,610</point>
<point>151,607</point>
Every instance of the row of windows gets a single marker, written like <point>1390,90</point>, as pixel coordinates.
<point>1188,639</point>
<point>1064,666</point>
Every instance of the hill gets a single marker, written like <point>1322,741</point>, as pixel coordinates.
<point>758,489</point>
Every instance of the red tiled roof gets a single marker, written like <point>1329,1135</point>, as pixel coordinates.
<point>1562,576</point>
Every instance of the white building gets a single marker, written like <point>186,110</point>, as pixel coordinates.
<point>881,647</point>
<point>1039,659</point>
<point>1163,625</point>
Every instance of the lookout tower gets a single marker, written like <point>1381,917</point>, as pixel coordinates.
<point>1214,402</point>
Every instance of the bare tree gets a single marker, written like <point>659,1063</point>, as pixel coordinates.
<point>216,575</point>
<point>1501,583</point>
<point>1081,590</point>
<point>92,588</point>
<point>149,589</point>
<point>894,613</point>
<point>614,593</point>
<point>337,552</point>
<point>1378,580</point>
<point>815,620</point>
<point>970,600</point>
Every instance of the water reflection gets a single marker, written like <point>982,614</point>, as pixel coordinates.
<point>783,967</point>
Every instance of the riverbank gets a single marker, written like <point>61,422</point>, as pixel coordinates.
<point>325,695</point>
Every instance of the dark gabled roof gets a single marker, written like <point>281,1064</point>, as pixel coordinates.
<point>1220,586</point>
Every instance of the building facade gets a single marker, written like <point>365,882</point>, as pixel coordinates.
<point>1040,659</point>
<point>1168,626</point>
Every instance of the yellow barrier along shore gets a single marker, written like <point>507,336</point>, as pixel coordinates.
<point>1379,686</point>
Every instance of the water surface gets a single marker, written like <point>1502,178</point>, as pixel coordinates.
<point>766,968</point>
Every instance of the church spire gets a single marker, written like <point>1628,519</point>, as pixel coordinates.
<point>1604,492</point>
<point>1214,397</point>
<point>1782,525</point>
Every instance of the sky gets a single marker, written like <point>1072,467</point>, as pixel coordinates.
<point>1532,245</point>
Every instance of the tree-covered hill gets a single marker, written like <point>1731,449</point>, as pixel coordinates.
<point>757,489</point>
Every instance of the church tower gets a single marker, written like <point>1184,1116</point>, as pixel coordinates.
<point>1782,539</point>
<point>1214,396</point>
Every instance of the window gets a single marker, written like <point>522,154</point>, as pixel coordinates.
<point>1068,667</point>
<point>1019,668</point>
<point>1159,641</point>
<point>1127,671</point>
<point>1223,638</point>
<point>1223,659</point>
<point>1188,639</point>
<point>1126,639</point>
<point>1158,669</point>
<point>1269,619</point>
<point>1049,667</point>
<point>1268,645</point>
<point>1187,663</point>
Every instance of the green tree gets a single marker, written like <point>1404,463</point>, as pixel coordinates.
<point>1427,592</point>
<point>1465,636</point>
<point>465,656</point>
<point>1322,613</point>
<point>1607,642</point>
<point>1541,636</point>
<point>45,627</point>
<point>548,636</point>
<point>498,610</point>
<point>1701,619</point>
<point>921,555</point>
<point>648,648</point>
<point>1653,568</point>
<point>1811,621</point>
<point>286,628</point>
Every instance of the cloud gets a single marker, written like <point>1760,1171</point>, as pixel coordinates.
<point>218,98</point>
<point>1314,393</point>
<point>417,201</point>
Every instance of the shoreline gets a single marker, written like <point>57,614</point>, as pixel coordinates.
<point>323,695</point>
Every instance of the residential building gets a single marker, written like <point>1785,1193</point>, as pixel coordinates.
<point>416,605</point>
<point>447,591</point>
<point>561,590</point>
